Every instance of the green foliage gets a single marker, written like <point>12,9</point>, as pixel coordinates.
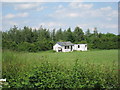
<point>69,35</point>
<point>78,34</point>
<point>33,40</point>
<point>58,35</point>
<point>55,70</point>
<point>25,46</point>
<point>83,42</point>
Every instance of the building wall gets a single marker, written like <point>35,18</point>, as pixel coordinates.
<point>82,47</point>
<point>67,50</point>
<point>57,48</point>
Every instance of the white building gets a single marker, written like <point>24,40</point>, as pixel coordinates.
<point>69,47</point>
<point>63,47</point>
<point>80,47</point>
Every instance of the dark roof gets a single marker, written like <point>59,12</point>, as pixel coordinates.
<point>65,43</point>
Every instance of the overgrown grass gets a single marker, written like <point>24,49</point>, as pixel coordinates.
<point>91,69</point>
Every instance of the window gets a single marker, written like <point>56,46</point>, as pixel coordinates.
<point>66,47</point>
<point>78,46</point>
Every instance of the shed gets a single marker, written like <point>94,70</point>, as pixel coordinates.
<point>69,47</point>
<point>80,47</point>
<point>63,47</point>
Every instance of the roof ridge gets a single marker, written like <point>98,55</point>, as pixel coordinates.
<point>65,43</point>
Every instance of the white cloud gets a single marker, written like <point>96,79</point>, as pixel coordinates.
<point>60,6</point>
<point>74,11</point>
<point>10,16</point>
<point>29,6</point>
<point>106,8</point>
<point>52,25</point>
<point>29,0</point>
<point>109,12</point>
<point>112,26</point>
<point>84,15</point>
<point>63,13</point>
<point>60,10</point>
<point>108,18</point>
<point>10,23</point>
<point>42,0</point>
<point>40,8</point>
<point>26,6</point>
<point>73,15</point>
<point>22,15</point>
<point>114,13</point>
<point>59,0</point>
<point>82,25</point>
<point>80,5</point>
<point>7,24</point>
<point>105,27</point>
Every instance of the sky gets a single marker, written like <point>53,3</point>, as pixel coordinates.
<point>103,15</point>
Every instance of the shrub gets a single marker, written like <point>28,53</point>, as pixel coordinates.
<point>47,75</point>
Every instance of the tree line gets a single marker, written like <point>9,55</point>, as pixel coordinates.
<point>42,39</point>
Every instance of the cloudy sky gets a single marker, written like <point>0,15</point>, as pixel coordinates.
<point>103,15</point>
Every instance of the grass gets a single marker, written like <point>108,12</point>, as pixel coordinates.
<point>99,68</point>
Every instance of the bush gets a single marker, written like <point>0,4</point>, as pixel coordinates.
<point>47,75</point>
<point>25,46</point>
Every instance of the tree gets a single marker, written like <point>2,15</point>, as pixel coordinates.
<point>33,40</point>
<point>69,35</point>
<point>59,35</point>
<point>78,34</point>
<point>53,35</point>
<point>27,34</point>
<point>87,33</point>
<point>95,32</point>
<point>43,34</point>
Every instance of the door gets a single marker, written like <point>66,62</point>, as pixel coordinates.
<point>59,49</point>
<point>71,48</point>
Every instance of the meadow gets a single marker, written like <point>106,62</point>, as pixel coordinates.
<point>49,69</point>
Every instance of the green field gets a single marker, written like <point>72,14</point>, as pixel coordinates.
<point>49,69</point>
